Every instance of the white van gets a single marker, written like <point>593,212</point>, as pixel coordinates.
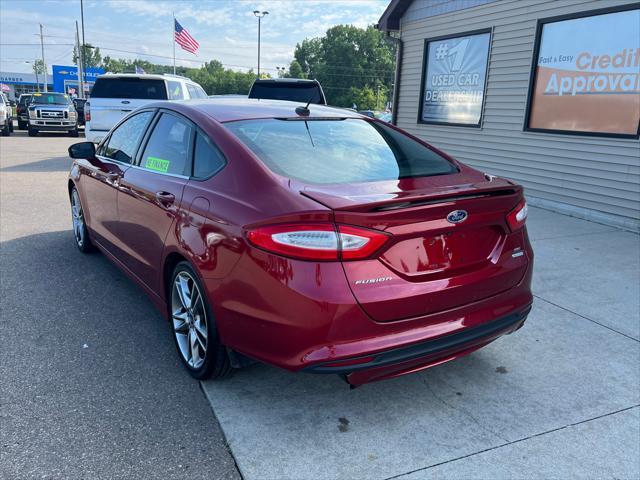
<point>114,95</point>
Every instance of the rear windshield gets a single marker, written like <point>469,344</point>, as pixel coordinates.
<point>129,87</point>
<point>338,151</point>
<point>296,92</point>
<point>50,98</point>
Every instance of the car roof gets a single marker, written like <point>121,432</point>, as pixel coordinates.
<point>231,109</point>
<point>284,80</point>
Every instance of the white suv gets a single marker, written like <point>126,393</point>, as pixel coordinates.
<point>114,95</point>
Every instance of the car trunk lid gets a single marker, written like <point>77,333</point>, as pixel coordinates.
<point>430,263</point>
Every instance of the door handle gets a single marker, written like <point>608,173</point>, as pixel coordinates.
<point>113,178</point>
<point>165,198</point>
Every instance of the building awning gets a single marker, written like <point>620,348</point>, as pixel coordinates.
<point>390,19</point>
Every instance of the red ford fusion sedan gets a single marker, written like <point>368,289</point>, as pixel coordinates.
<point>310,238</point>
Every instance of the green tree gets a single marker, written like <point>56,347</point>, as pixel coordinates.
<point>91,56</point>
<point>212,75</point>
<point>295,70</point>
<point>38,67</point>
<point>348,60</point>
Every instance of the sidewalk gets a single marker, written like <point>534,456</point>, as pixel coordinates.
<point>559,398</point>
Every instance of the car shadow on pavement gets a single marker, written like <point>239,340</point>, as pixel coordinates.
<point>53,164</point>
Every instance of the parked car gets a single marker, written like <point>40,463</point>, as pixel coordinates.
<point>115,95</point>
<point>22,111</point>
<point>6,116</point>
<point>78,104</point>
<point>52,112</point>
<point>294,89</point>
<point>316,239</point>
<point>384,116</point>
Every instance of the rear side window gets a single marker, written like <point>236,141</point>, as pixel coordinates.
<point>129,87</point>
<point>207,159</point>
<point>169,146</point>
<point>176,92</point>
<point>124,140</point>
<point>296,92</point>
<point>195,91</point>
<point>338,151</point>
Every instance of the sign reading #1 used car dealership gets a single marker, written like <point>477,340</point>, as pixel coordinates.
<point>455,73</point>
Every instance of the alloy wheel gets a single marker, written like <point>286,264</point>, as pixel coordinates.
<point>78,218</point>
<point>189,319</point>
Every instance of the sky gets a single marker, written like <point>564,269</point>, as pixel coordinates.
<point>226,29</point>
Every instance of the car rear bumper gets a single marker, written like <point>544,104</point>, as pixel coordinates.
<point>412,358</point>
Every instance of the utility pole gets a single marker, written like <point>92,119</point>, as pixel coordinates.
<point>259,15</point>
<point>83,78</point>
<point>80,60</point>
<point>46,80</point>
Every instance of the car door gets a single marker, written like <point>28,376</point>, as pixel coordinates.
<point>150,195</point>
<point>102,175</point>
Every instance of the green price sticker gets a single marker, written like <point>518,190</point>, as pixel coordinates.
<point>157,164</point>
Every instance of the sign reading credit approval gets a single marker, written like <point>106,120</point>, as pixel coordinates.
<point>587,77</point>
<point>454,79</point>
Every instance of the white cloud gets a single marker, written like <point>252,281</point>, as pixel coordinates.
<point>225,29</point>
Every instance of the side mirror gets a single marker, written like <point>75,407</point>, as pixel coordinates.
<point>82,150</point>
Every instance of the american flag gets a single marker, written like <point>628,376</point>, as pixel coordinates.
<point>186,41</point>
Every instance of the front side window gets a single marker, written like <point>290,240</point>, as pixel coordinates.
<point>169,146</point>
<point>338,151</point>
<point>124,140</point>
<point>175,91</point>
<point>207,159</point>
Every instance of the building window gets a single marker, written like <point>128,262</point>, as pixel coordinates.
<point>454,74</point>
<point>586,75</point>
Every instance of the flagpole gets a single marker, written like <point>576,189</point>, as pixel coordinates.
<point>173,40</point>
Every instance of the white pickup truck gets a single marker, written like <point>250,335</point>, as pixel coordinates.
<point>115,95</point>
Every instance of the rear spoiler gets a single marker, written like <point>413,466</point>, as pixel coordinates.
<point>398,200</point>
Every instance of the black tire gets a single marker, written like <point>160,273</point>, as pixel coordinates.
<point>216,363</point>
<point>6,131</point>
<point>32,132</point>
<point>22,125</point>
<point>74,132</point>
<point>80,231</point>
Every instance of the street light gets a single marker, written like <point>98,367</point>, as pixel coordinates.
<point>259,15</point>
<point>35,69</point>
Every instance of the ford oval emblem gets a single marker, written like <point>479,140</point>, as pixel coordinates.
<point>457,216</point>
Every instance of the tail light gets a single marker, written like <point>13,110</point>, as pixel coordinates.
<point>319,242</point>
<point>518,216</point>
<point>87,112</point>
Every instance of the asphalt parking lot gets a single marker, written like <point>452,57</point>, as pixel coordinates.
<point>91,385</point>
